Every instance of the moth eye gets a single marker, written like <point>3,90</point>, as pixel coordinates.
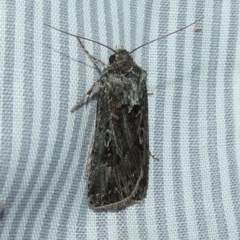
<point>112,59</point>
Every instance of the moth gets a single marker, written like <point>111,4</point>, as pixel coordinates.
<point>118,170</point>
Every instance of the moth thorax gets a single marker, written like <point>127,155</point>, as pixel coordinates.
<point>121,55</point>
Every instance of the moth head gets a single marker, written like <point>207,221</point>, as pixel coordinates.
<point>121,55</point>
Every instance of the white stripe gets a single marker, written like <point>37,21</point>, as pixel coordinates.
<point>91,225</point>
<point>131,217</point>
<point>112,225</point>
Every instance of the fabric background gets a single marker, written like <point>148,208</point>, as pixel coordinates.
<point>194,118</point>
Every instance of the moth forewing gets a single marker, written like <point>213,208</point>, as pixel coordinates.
<point>120,155</point>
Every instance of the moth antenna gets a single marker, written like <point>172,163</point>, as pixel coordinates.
<point>97,60</point>
<point>181,29</point>
<point>83,47</point>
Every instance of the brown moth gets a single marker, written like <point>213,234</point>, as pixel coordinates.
<point>118,171</point>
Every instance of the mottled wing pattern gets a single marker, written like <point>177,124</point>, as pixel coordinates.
<point>120,153</point>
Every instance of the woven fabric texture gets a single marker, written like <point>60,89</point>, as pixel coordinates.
<point>194,118</point>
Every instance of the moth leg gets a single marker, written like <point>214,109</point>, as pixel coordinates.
<point>92,91</point>
<point>155,158</point>
<point>97,60</point>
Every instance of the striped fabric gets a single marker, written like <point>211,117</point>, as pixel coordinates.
<point>194,118</point>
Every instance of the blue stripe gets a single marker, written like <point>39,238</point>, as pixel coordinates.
<point>176,115</point>
<point>109,26</point>
<point>159,198</point>
<point>122,228</point>
<point>133,23</point>
<point>146,33</point>
<point>120,16</point>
